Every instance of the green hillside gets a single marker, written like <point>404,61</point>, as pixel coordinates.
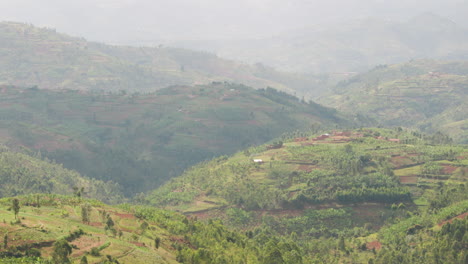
<point>57,225</point>
<point>425,94</point>
<point>348,197</point>
<point>141,140</point>
<point>42,57</point>
<point>354,186</point>
<point>23,174</point>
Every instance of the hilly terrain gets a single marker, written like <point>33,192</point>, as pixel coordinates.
<point>62,229</point>
<point>21,173</point>
<point>428,95</point>
<point>141,140</point>
<point>33,56</point>
<point>351,46</point>
<point>342,195</point>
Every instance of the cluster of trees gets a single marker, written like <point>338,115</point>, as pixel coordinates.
<point>23,174</point>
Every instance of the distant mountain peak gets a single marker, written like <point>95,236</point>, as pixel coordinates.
<point>429,19</point>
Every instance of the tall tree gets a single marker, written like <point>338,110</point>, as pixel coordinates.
<point>61,252</point>
<point>15,207</point>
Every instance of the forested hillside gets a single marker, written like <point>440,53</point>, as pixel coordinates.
<point>344,196</point>
<point>425,94</point>
<point>142,140</point>
<point>22,174</point>
<point>33,56</point>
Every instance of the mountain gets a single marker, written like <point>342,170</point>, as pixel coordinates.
<point>22,174</point>
<point>342,195</point>
<point>353,46</point>
<point>33,56</point>
<point>425,94</point>
<point>141,140</point>
<point>50,226</point>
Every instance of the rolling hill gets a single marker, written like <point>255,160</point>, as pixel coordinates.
<point>141,140</point>
<point>425,94</point>
<point>33,56</point>
<point>91,230</point>
<point>22,174</point>
<point>351,46</point>
<point>364,187</point>
<point>367,195</point>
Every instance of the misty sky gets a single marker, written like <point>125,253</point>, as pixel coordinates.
<point>131,21</point>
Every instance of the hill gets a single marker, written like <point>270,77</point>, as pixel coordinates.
<point>22,174</point>
<point>352,46</point>
<point>141,140</point>
<point>424,94</point>
<point>353,186</point>
<point>33,56</point>
<point>58,225</point>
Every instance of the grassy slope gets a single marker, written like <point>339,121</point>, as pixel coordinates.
<point>316,188</point>
<point>425,94</point>
<point>37,56</point>
<point>136,229</point>
<point>140,141</point>
<point>336,172</point>
<point>23,174</point>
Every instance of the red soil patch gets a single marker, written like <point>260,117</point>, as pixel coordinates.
<point>409,179</point>
<point>138,244</point>
<point>181,241</point>
<point>84,244</point>
<point>462,216</point>
<point>374,245</point>
<point>367,210</point>
<point>448,169</point>
<point>95,224</point>
<point>125,216</point>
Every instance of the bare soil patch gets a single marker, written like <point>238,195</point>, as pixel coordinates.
<point>84,244</point>
<point>448,169</point>
<point>374,245</point>
<point>409,179</point>
<point>462,216</point>
<point>124,216</point>
<point>139,244</point>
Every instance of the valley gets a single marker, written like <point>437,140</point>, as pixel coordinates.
<point>344,143</point>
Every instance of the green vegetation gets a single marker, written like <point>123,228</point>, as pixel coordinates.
<point>24,174</point>
<point>424,94</point>
<point>341,197</point>
<point>56,233</point>
<point>332,193</point>
<point>368,195</point>
<point>42,57</point>
<point>141,141</point>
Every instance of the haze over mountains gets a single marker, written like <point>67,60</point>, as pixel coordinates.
<point>33,56</point>
<point>353,46</point>
<point>230,161</point>
<point>306,36</point>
